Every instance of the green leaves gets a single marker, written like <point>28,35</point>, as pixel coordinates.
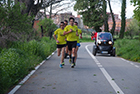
<point>137,9</point>
<point>13,24</point>
<point>48,26</point>
<point>92,12</point>
<point>20,59</point>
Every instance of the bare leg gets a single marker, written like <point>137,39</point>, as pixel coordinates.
<point>58,51</point>
<point>63,54</point>
<point>67,49</point>
<point>73,54</point>
<point>76,53</point>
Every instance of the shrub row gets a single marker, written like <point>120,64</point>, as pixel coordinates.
<point>128,49</point>
<point>17,61</point>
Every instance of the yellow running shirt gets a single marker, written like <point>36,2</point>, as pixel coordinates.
<point>79,32</point>
<point>71,36</point>
<point>60,37</point>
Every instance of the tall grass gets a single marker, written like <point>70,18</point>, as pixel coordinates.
<point>20,59</point>
<point>128,49</point>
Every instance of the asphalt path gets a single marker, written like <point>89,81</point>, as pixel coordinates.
<point>101,74</point>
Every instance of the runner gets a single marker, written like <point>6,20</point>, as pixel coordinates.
<point>72,32</point>
<point>61,43</point>
<point>65,22</point>
<point>66,50</point>
<point>78,42</point>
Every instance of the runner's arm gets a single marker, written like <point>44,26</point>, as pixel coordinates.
<point>67,32</point>
<point>55,38</point>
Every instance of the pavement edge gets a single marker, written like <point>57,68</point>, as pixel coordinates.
<point>30,74</point>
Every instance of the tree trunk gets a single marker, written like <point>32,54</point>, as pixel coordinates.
<point>105,16</point>
<point>123,19</point>
<point>50,11</point>
<point>113,19</point>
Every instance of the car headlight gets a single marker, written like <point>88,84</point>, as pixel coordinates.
<point>110,42</point>
<point>99,42</point>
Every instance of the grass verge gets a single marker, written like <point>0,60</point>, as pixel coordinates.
<point>125,48</point>
<point>128,49</point>
<point>18,60</point>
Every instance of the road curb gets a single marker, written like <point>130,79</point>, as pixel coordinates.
<point>29,75</point>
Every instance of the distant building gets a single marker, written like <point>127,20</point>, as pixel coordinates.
<point>58,18</point>
<point>118,22</point>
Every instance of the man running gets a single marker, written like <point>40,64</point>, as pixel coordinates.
<point>66,50</point>
<point>72,32</point>
<point>61,43</point>
<point>78,42</point>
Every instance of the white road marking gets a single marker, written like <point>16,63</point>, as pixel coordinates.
<point>108,77</point>
<point>131,63</point>
<point>29,75</point>
<point>136,66</point>
<point>100,66</point>
<point>98,63</point>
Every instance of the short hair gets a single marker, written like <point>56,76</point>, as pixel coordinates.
<point>61,23</point>
<point>71,18</point>
<point>66,21</point>
<point>76,23</point>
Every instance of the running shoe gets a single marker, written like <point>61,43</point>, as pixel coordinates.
<point>72,65</point>
<point>61,66</point>
<point>70,60</point>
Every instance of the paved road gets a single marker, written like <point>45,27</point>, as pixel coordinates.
<point>102,74</point>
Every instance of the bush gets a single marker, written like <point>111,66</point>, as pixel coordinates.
<point>20,59</point>
<point>48,26</point>
<point>128,49</point>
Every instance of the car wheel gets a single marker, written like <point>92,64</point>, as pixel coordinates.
<point>94,51</point>
<point>113,52</point>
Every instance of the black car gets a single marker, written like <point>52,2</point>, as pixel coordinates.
<point>104,44</point>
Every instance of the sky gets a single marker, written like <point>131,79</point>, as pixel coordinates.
<point>116,7</point>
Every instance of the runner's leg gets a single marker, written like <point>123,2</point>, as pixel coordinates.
<point>76,53</point>
<point>66,51</point>
<point>58,51</point>
<point>63,54</point>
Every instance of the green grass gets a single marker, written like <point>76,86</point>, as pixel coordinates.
<point>128,49</point>
<point>18,60</point>
<point>86,38</point>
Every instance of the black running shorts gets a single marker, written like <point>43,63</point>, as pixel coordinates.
<point>61,45</point>
<point>71,44</point>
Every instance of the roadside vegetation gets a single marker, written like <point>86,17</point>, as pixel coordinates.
<point>128,49</point>
<point>86,37</point>
<point>21,47</point>
<point>18,60</point>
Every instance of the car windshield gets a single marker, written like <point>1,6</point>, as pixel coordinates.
<point>104,36</point>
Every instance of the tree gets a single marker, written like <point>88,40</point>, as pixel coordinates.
<point>123,21</point>
<point>105,16</point>
<point>47,25</point>
<point>13,25</point>
<point>133,28</point>
<point>54,9</point>
<point>114,23</point>
<point>136,11</point>
<point>92,12</point>
<point>34,6</point>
